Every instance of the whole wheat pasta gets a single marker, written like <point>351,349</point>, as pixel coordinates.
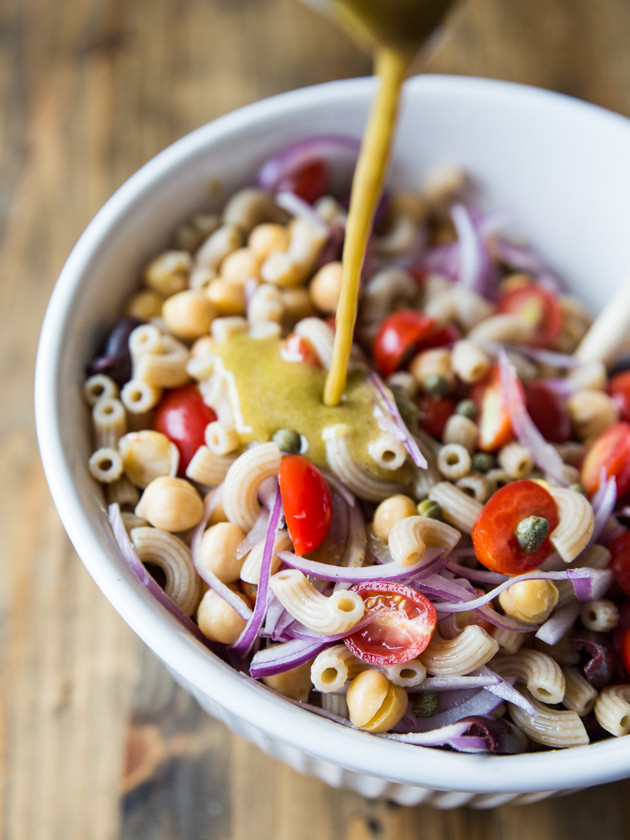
<point>265,304</point>
<point>388,452</point>
<point>106,465</point>
<point>595,557</point>
<point>591,413</point>
<point>221,438</point>
<point>497,478</point>
<point>341,463</point>
<point>200,367</point>
<point>405,674</point>
<point>146,455</point>
<point>601,616</point>
<point>515,460</point>
<point>575,525</point>
<point>612,709</point>
<point>471,649</point>
<point>146,338</point>
<point>321,337</point>
<point>562,651</point>
<point>541,674</point>
<point>410,537</point>
<point>206,467</point>
<point>168,272</point>
<point>471,307</point>
<point>97,387</point>
<point>216,247</point>
<point>131,520</point>
<point>334,667</point>
<point>579,694</point>
<point>243,479</point>
<point>402,236</point>
<point>109,422</point>
<point>441,305</point>
<point>224,328</point>
<point>459,508</point>
<point>470,362</point>
<point>336,704</point>
<point>461,430</point>
<point>550,727</point>
<point>330,616</point>
<point>250,570</point>
<point>505,328</point>
<point>172,556</point>
<point>509,641</point>
<point>590,375</point>
<point>138,397</point>
<point>453,461</point>
<point>476,485</point>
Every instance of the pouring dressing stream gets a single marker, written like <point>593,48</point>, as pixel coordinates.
<point>394,31</point>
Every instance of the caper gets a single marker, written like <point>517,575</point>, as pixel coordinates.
<point>429,508</point>
<point>288,440</point>
<point>578,488</point>
<point>483,462</point>
<point>407,407</point>
<point>426,704</point>
<point>531,533</point>
<point>436,384</point>
<point>466,408</point>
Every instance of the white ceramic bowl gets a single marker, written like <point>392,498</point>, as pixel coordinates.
<point>563,165</point>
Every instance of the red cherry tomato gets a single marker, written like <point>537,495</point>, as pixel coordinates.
<point>309,182</point>
<point>399,337</point>
<point>610,453</point>
<point>296,348</point>
<point>494,532</point>
<point>182,416</point>
<point>403,621</point>
<point>619,548</point>
<point>620,392</point>
<point>495,429</point>
<point>548,411</point>
<point>538,307</point>
<point>307,502</point>
<point>433,412</point>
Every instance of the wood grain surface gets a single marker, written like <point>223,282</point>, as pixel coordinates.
<point>96,741</point>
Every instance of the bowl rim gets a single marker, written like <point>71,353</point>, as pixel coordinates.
<point>246,699</point>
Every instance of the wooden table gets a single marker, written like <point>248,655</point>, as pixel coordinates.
<point>96,741</point>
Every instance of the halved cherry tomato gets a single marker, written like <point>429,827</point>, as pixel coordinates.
<point>433,412</point>
<point>296,348</point>
<point>182,416</point>
<point>494,533</point>
<point>307,502</point>
<point>619,548</point>
<point>548,411</point>
<point>620,392</point>
<point>495,429</point>
<point>398,338</point>
<point>538,307</point>
<point>403,621</point>
<point>309,182</point>
<point>609,453</point>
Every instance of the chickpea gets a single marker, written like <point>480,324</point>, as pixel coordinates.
<point>241,265</point>
<point>172,504</point>
<point>188,314</point>
<point>217,620</point>
<point>227,296</point>
<point>218,551</point>
<point>389,512</point>
<point>268,238</point>
<point>325,287</point>
<point>530,600</point>
<point>375,704</point>
<point>145,304</point>
<point>294,683</point>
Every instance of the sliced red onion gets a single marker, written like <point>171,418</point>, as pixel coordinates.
<point>522,258</point>
<point>475,575</point>
<point>455,683</point>
<point>137,566</point>
<point>211,501</point>
<point>256,535</point>
<point>603,501</point>
<point>299,208</point>
<point>279,658</point>
<point>562,387</point>
<point>388,411</point>
<point>338,151</point>
<point>543,453</point>
<point>243,644</point>
<point>498,735</point>
<point>474,260</point>
<point>387,571</point>
<point>464,704</point>
<point>436,737</point>
<point>559,624</point>
<point>505,690</point>
<point>582,580</point>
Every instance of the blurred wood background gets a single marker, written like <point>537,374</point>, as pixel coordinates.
<point>96,741</point>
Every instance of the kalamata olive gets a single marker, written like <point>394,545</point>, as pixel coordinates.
<point>601,663</point>
<point>500,735</point>
<point>114,359</point>
<point>621,365</point>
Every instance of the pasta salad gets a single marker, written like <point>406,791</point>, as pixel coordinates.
<point>444,558</point>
